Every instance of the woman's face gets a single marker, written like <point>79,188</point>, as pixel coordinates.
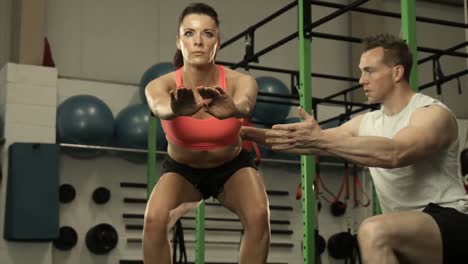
<point>198,39</point>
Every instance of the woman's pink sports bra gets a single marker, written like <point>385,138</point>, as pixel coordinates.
<point>202,134</point>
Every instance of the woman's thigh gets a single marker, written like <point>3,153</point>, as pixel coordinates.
<point>245,193</point>
<point>171,191</point>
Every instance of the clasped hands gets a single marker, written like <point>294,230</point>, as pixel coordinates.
<point>299,138</point>
<point>213,100</point>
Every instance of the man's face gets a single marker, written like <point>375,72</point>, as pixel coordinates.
<point>376,77</point>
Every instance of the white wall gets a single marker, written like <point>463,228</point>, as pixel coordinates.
<point>106,40</point>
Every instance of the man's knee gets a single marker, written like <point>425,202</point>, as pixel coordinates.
<point>373,231</point>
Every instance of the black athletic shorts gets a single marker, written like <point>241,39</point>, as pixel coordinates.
<point>453,227</point>
<point>209,181</point>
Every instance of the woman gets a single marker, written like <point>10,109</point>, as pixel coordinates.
<point>199,106</point>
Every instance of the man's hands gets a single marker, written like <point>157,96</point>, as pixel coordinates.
<point>304,135</point>
<point>186,102</point>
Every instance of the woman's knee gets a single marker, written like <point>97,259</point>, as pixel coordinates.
<point>257,218</point>
<point>155,225</point>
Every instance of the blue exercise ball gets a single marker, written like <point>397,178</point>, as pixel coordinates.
<point>271,113</point>
<point>87,120</point>
<point>152,73</point>
<point>161,140</point>
<point>132,128</point>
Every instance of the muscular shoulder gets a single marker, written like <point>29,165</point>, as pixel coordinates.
<point>236,79</point>
<point>165,82</point>
<point>432,115</point>
<point>436,119</point>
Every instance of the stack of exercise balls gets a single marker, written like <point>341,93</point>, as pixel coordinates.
<point>132,122</point>
<point>84,120</point>
<point>87,120</point>
<point>154,72</point>
<point>131,131</point>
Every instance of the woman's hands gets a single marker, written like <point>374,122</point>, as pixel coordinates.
<point>217,103</point>
<point>187,102</point>
<point>184,102</point>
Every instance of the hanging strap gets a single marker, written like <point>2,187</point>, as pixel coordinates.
<point>178,240</point>
<point>437,73</point>
<point>344,185</point>
<point>358,184</point>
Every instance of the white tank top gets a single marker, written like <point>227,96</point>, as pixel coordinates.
<point>431,180</point>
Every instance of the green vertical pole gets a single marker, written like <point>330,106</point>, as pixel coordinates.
<point>408,29</point>
<point>307,162</point>
<point>152,176</point>
<point>376,210</point>
<point>200,234</point>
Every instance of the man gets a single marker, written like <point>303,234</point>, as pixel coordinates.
<point>410,146</point>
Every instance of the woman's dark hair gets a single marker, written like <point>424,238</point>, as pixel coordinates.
<point>396,52</point>
<point>194,8</point>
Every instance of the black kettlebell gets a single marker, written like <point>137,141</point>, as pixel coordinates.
<point>101,239</point>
